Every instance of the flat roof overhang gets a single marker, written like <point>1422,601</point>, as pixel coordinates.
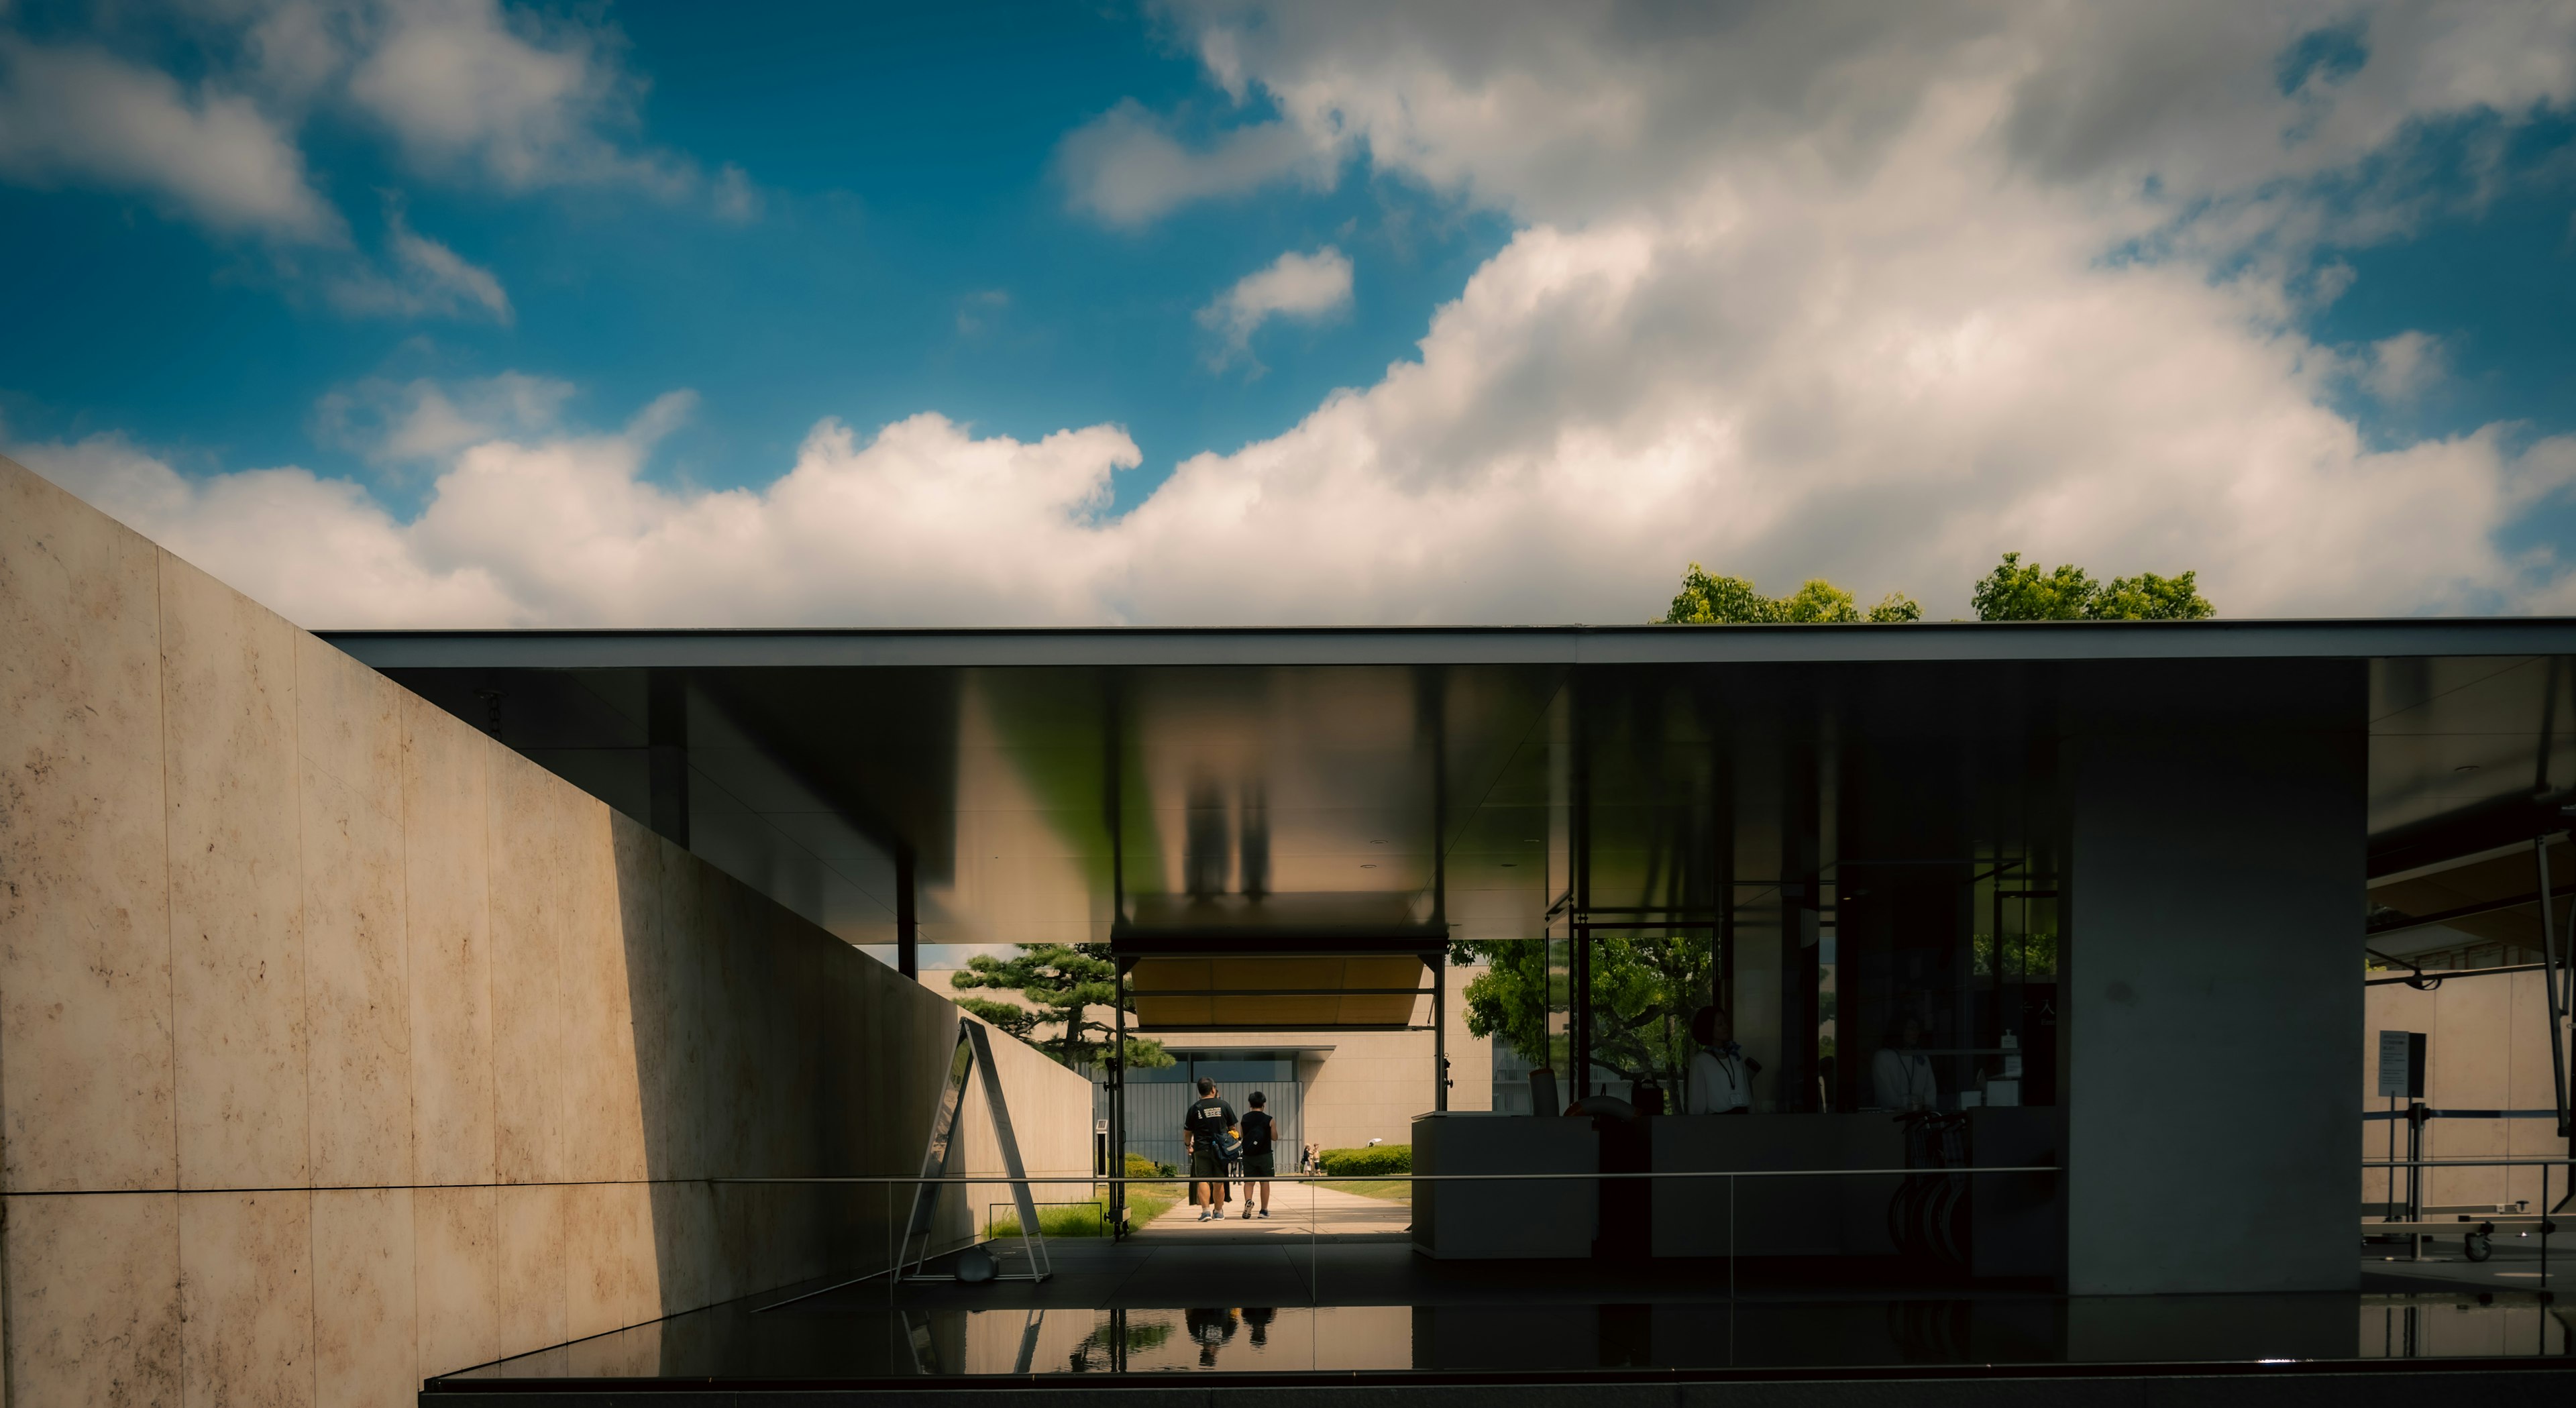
<point>1051,783</point>
<point>1920,641</point>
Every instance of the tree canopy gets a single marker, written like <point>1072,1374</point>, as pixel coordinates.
<point>1644,991</point>
<point>1734,601</point>
<point>2014,591</point>
<point>1066,984</point>
<point>2019,591</point>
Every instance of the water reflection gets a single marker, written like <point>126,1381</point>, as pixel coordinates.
<point>728,1342</point>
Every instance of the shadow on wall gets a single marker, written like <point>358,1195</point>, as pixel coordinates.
<point>346,1047</point>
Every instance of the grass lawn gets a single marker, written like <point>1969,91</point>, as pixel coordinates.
<point>1145,1201</point>
<point>1393,1190</point>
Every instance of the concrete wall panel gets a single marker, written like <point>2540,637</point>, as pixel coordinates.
<point>445,897</point>
<point>456,1268</point>
<point>357,999</point>
<point>246,1298</point>
<point>84,918</point>
<point>236,885</point>
<point>93,1309</point>
<point>613,1275</point>
<point>450,1057</point>
<point>643,955</point>
<point>530,859</point>
<point>605,1064</point>
<point>365,1329</point>
<point>534,1276</point>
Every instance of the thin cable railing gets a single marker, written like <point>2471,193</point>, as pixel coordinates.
<point>1313,1222</point>
<point>896,1264</point>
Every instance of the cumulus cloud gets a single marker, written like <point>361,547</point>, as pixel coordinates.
<point>1128,165</point>
<point>313,549</point>
<point>1306,286</point>
<point>563,527</point>
<point>1796,291</point>
<point>76,114</point>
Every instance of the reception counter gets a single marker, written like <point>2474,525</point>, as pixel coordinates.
<point>2018,1220</point>
<point>1500,1219</point>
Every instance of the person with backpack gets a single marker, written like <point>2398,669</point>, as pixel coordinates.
<point>1260,1140</point>
<point>1210,1134</point>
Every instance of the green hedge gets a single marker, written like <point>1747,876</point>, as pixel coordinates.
<point>1138,1166</point>
<point>1375,1162</point>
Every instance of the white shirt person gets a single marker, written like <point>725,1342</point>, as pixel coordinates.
<point>1721,1075</point>
<point>1901,1076</point>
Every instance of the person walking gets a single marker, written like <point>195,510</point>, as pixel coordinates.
<point>1204,1131</point>
<point>1260,1141</point>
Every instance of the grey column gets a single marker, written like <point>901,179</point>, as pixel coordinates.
<point>2216,833</point>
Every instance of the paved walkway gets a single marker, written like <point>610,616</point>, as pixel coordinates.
<point>1296,1210</point>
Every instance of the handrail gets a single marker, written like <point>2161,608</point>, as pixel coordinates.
<point>1386,1177</point>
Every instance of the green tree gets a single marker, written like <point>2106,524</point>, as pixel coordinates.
<point>1073,992</point>
<point>1734,601</point>
<point>1644,991</point>
<point>2019,591</point>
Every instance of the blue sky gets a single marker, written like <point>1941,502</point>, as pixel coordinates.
<point>913,250</point>
<point>2067,285</point>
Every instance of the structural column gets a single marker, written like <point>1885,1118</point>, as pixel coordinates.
<point>2216,859</point>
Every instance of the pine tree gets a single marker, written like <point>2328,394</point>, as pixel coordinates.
<point>1072,990</point>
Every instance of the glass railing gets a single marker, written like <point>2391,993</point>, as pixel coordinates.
<point>1335,1282</point>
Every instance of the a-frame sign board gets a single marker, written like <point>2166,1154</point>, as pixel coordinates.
<point>974,1053</point>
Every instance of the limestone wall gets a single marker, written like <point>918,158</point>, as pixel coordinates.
<point>2487,1048</point>
<point>340,1046</point>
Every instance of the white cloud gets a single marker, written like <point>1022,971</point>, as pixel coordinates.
<point>559,527</point>
<point>2402,368</point>
<point>1306,286</point>
<point>465,85</point>
<point>1798,291</point>
<point>314,549</point>
<point>423,421</point>
<point>471,90</point>
<point>425,277</point>
<point>1127,166</point>
<point>76,114</point>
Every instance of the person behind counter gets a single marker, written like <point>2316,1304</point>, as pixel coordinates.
<point>1721,1075</point>
<point>1901,1075</point>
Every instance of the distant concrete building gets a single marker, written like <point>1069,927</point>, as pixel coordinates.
<point>1334,1089</point>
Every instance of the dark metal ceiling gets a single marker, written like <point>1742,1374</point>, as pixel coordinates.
<point>1057,785</point>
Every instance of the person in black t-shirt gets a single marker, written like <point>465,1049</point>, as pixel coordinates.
<point>1260,1141</point>
<point>1208,1122</point>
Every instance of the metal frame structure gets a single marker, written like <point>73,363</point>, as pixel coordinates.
<point>974,1052</point>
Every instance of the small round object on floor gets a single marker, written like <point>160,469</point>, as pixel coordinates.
<point>975,1266</point>
<point>2477,1246</point>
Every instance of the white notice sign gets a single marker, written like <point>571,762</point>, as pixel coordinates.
<point>2397,1063</point>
